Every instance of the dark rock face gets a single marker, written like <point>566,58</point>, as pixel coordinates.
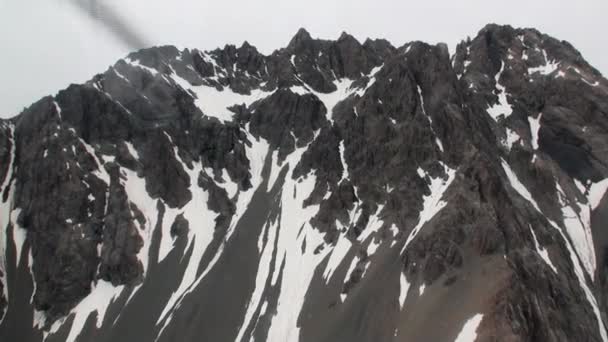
<point>330,191</point>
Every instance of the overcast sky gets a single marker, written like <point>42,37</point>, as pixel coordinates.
<point>47,44</point>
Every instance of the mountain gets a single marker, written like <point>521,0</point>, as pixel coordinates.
<point>330,191</point>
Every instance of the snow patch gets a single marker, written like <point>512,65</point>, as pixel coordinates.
<point>344,165</point>
<point>403,289</point>
<point>300,265</point>
<point>432,203</point>
<point>512,138</point>
<point>534,129</point>
<point>546,69</point>
<point>337,255</point>
<point>102,295</point>
<point>437,141</point>
<point>469,330</point>
<point>597,192</point>
<point>542,251</point>
<point>215,103</point>
<point>503,106</point>
<point>421,289</point>
<point>330,100</point>
<point>517,185</point>
<point>578,227</point>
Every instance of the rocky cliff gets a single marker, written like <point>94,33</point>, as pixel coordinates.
<point>330,191</point>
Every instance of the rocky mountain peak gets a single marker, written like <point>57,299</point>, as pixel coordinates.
<point>230,195</point>
<point>301,37</point>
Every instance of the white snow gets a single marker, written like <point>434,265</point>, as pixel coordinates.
<point>337,255</point>
<point>201,222</point>
<point>403,289</point>
<point>516,184</point>
<point>101,172</point>
<point>433,203</point>
<point>262,274</point>
<point>372,247</point>
<point>542,251</point>
<point>137,64</point>
<point>273,231</point>
<point>374,224</point>
<point>512,138</point>
<point>344,164</point>
<point>503,106</point>
<point>101,296</point>
<point>215,103</point>
<point>58,108</point>
<point>581,279</point>
<point>594,84</point>
<point>580,186</point>
<point>534,128</point>
<point>275,169</point>
<point>437,141</point>
<point>19,235</point>
<point>299,267</point>
<point>372,80</point>
<point>256,155</point>
<point>421,289</point>
<point>330,100</point>
<point>351,268</point>
<point>577,221</point>
<point>132,150</point>
<point>469,330</point>
<point>300,90</point>
<point>5,213</point>
<point>546,69</point>
<point>596,193</point>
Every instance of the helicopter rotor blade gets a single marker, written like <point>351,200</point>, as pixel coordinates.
<point>110,19</point>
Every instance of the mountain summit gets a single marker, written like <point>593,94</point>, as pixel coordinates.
<point>330,191</point>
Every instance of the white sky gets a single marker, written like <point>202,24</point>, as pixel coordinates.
<point>47,44</point>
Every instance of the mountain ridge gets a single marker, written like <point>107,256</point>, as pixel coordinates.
<point>478,178</point>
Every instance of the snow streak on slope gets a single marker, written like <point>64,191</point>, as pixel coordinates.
<point>432,203</point>
<point>404,287</point>
<point>542,251</point>
<point>597,192</point>
<point>469,330</point>
<point>503,106</point>
<point>274,229</point>
<point>534,128</point>
<point>338,253</point>
<point>437,141</point>
<point>518,186</point>
<point>5,213</point>
<point>343,90</point>
<point>546,69</point>
<point>330,100</point>
<point>98,300</point>
<point>300,265</point>
<point>215,103</point>
<point>521,189</point>
<point>511,138</point>
<point>256,155</point>
<point>583,282</point>
<point>577,220</point>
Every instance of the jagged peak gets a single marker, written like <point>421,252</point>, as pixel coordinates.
<point>301,36</point>
<point>344,36</point>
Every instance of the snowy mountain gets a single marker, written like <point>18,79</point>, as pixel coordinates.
<point>330,191</point>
